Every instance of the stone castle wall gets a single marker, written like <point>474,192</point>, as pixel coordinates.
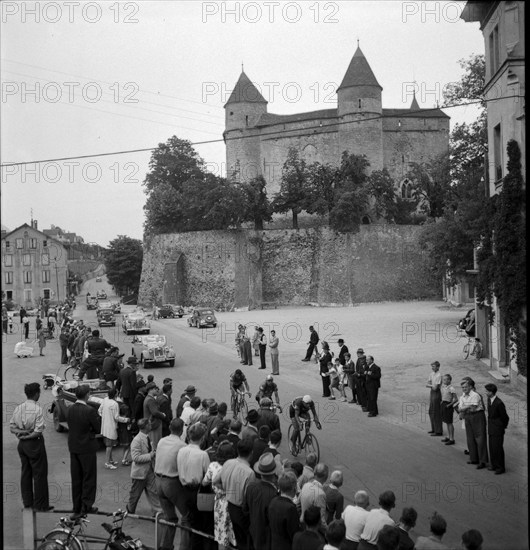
<point>242,268</point>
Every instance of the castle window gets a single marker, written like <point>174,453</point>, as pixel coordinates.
<point>360,104</point>
<point>406,190</point>
<point>246,120</point>
<point>403,159</point>
<point>8,260</point>
<point>8,277</point>
<point>399,123</point>
<point>366,220</point>
<point>231,113</point>
<point>20,243</point>
<point>497,152</point>
<point>494,49</point>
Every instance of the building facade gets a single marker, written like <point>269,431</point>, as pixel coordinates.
<point>502,24</point>
<point>257,142</point>
<point>34,266</point>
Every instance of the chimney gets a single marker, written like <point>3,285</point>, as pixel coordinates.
<point>35,224</point>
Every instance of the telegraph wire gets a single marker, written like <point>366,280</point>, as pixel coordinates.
<point>278,134</point>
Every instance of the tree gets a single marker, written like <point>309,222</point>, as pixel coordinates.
<point>321,188</point>
<point>173,163</point>
<point>387,203</point>
<point>257,207</point>
<point>293,187</point>
<point>123,261</point>
<point>351,193</point>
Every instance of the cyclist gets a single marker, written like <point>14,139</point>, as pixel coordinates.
<point>267,389</point>
<point>300,408</point>
<point>238,381</point>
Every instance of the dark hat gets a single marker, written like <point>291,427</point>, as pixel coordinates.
<point>168,381</point>
<point>150,386</point>
<point>266,465</point>
<point>132,360</point>
<point>340,341</point>
<point>213,409</point>
<point>360,350</point>
<point>252,416</point>
<point>190,389</point>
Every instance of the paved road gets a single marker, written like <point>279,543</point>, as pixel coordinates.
<point>392,451</point>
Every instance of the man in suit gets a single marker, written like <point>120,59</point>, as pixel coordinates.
<point>373,383</point>
<point>283,514</point>
<point>497,423</point>
<point>343,350</point>
<point>164,404</point>
<point>257,498</point>
<point>360,379</point>
<point>142,473</point>
<point>126,384</point>
<point>313,341</point>
<point>84,424</point>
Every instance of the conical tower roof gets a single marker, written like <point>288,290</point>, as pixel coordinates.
<point>359,72</point>
<point>414,106</point>
<point>245,92</point>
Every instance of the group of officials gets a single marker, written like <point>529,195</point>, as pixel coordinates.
<point>362,376</point>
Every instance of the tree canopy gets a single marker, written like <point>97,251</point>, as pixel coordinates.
<point>123,261</point>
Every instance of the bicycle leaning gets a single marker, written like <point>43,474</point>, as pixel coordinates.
<point>69,534</point>
<point>473,346</point>
<point>309,443</point>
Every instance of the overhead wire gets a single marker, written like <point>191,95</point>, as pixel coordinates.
<point>279,133</point>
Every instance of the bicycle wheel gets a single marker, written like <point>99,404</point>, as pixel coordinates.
<point>292,447</point>
<point>478,350</point>
<point>312,446</point>
<point>243,411</point>
<point>70,372</point>
<point>61,539</point>
<point>465,351</point>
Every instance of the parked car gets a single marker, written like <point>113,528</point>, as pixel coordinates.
<point>202,317</point>
<point>170,311</point>
<point>136,322</point>
<point>116,307</point>
<point>91,302</point>
<point>106,317</point>
<point>101,295</point>
<point>64,397</point>
<point>98,279</point>
<point>153,349</point>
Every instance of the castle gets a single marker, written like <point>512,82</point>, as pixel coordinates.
<point>257,142</point>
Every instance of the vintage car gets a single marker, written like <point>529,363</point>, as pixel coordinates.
<point>101,295</point>
<point>152,350</point>
<point>116,307</point>
<point>136,322</point>
<point>64,397</point>
<point>202,317</point>
<point>170,311</point>
<point>106,317</point>
<point>104,304</point>
<point>91,302</point>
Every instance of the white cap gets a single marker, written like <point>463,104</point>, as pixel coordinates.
<point>270,377</point>
<point>307,399</point>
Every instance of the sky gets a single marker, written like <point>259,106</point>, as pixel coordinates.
<point>85,78</point>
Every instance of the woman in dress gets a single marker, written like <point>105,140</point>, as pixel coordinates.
<point>109,410</point>
<point>41,337</point>
<point>223,530</point>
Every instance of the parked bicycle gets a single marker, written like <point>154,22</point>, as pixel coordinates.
<point>473,346</point>
<point>309,444</point>
<point>69,534</point>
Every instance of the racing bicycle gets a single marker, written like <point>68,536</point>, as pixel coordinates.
<point>240,407</point>
<point>473,346</point>
<point>309,444</point>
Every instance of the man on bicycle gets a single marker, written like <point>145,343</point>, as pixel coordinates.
<point>299,409</point>
<point>238,382</point>
<point>267,389</point>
